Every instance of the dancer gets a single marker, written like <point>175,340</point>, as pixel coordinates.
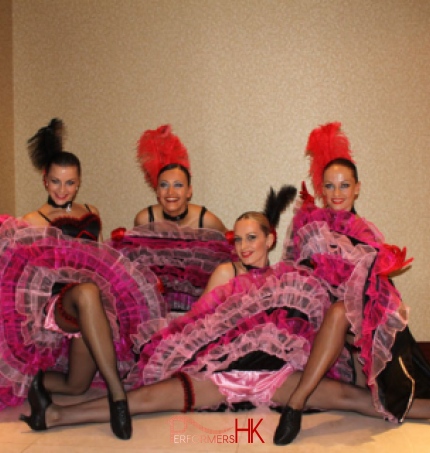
<point>182,243</point>
<point>254,236</point>
<point>365,303</point>
<point>75,308</point>
<point>247,238</point>
<point>164,161</point>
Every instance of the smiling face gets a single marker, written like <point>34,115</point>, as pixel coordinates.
<point>251,243</point>
<point>173,191</point>
<point>340,188</point>
<point>62,183</point>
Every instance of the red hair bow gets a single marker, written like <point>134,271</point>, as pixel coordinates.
<point>275,237</point>
<point>229,235</point>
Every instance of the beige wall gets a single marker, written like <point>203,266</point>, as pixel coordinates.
<point>7,167</point>
<point>242,82</point>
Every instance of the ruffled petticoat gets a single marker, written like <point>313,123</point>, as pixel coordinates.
<point>261,321</point>
<point>331,243</point>
<point>182,258</point>
<point>32,260</point>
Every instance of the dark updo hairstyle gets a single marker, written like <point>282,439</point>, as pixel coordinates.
<point>344,163</point>
<point>172,166</point>
<point>46,148</point>
<point>276,203</point>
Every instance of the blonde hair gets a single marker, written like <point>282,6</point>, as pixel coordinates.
<point>260,218</point>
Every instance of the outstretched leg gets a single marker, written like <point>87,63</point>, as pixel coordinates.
<point>330,395</point>
<point>336,395</point>
<point>163,396</point>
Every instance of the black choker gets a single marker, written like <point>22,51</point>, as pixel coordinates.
<point>175,218</point>
<point>67,206</point>
<point>250,267</point>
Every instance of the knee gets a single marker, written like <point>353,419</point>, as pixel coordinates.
<point>337,312</point>
<point>86,292</point>
<point>75,389</point>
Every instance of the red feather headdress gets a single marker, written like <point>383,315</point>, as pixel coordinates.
<point>325,144</point>
<point>158,148</point>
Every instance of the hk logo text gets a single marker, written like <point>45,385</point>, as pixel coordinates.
<point>182,431</point>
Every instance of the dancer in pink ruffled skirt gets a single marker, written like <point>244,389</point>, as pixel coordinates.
<point>69,303</point>
<point>348,255</point>
<point>182,243</point>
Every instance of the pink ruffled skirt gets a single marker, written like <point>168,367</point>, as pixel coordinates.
<point>32,260</point>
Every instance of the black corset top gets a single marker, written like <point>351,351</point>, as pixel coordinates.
<point>86,227</point>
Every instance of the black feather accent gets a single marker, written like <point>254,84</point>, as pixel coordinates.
<point>46,143</point>
<point>276,203</point>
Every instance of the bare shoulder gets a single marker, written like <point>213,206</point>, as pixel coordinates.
<point>142,217</point>
<point>210,220</point>
<point>93,209</point>
<point>34,218</point>
<point>220,276</point>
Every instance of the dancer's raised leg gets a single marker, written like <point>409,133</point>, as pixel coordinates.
<point>84,304</point>
<point>326,349</point>
<point>82,370</point>
<point>82,310</point>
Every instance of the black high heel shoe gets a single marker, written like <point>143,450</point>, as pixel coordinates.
<point>120,419</point>
<point>39,400</point>
<point>288,426</point>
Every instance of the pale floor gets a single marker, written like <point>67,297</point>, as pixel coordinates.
<point>209,432</point>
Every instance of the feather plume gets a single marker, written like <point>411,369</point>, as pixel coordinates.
<point>276,203</point>
<point>158,148</point>
<point>325,144</point>
<point>46,143</point>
